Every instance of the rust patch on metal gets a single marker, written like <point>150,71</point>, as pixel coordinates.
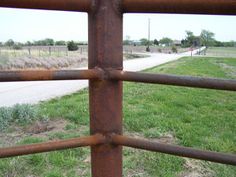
<point>105,96</point>
<point>36,75</point>
<point>217,7</point>
<point>64,5</point>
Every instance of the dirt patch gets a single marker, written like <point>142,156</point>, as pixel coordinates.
<point>166,139</point>
<point>192,168</point>
<point>136,173</point>
<point>39,129</point>
<point>195,168</point>
<point>9,139</point>
<point>42,129</point>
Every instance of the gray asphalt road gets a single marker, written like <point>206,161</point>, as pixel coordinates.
<point>12,93</point>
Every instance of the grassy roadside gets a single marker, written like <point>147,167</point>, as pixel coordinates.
<point>192,117</point>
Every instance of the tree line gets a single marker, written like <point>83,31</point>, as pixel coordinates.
<point>71,45</point>
<point>206,38</point>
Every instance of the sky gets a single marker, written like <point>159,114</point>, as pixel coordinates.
<point>28,25</point>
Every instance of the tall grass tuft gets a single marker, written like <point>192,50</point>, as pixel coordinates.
<point>5,117</point>
<point>20,114</point>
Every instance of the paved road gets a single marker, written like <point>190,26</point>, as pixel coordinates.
<point>32,92</point>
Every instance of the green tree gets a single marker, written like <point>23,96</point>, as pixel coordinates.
<point>49,41</point>
<point>44,42</point>
<point>144,41</point>
<point>207,38</point>
<point>218,44</point>
<point>190,37</point>
<point>9,43</point>
<point>156,42</point>
<point>17,46</point>
<point>28,43</point>
<point>60,43</point>
<point>72,46</point>
<point>229,44</point>
<point>166,41</point>
<point>191,40</point>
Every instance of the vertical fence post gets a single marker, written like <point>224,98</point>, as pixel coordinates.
<point>105,97</point>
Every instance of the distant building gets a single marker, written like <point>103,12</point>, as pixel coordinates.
<point>177,42</point>
<point>136,42</point>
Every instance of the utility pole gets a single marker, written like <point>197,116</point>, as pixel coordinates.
<point>148,47</point>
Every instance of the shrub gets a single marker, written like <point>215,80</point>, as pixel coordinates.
<point>5,117</point>
<point>174,49</point>
<point>63,43</point>
<point>17,47</point>
<point>20,114</point>
<point>24,113</point>
<point>72,46</point>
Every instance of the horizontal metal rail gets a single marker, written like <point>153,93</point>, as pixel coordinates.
<point>52,146</point>
<point>174,150</point>
<point>39,75</point>
<point>64,5</point>
<point>217,7</point>
<point>187,81</point>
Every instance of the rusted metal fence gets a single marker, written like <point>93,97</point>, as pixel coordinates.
<point>106,77</point>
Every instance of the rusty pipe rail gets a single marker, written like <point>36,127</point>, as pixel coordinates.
<point>64,5</point>
<point>174,150</point>
<point>39,75</point>
<point>187,81</point>
<point>52,146</point>
<point>217,7</point>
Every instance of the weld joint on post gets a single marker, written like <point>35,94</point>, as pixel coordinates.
<point>101,138</point>
<point>111,136</point>
<point>106,138</point>
<point>101,73</point>
<point>105,73</point>
<point>109,71</point>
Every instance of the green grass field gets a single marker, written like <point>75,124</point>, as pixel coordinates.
<point>199,118</point>
<point>221,52</point>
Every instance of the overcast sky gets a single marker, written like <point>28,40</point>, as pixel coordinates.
<point>23,25</point>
